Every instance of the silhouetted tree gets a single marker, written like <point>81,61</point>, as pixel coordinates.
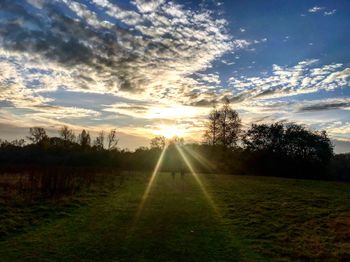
<point>224,126</point>
<point>303,144</point>
<point>18,142</point>
<point>290,150</point>
<point>158,142</point>
<point>265,137</point>
<point>37,135</point>
<point>99,140</point>
<point>112,140</point>
<point>230,126</point>
<point>211,135</point>
<point>84,139</point>
<point>67,134</point>
<point>176,140</point>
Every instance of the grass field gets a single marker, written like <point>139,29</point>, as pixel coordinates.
<point>240,218</point>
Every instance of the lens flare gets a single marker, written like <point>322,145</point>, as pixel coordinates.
<point>150,183</point>
<point>195,175</point>
<point>205,162</point>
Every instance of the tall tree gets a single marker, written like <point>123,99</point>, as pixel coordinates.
<point>37,135</point>
<point>211,135</point>
<point>229,125</point>
<point>224,126</point>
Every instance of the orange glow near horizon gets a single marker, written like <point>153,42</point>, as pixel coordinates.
<point>170,131</point>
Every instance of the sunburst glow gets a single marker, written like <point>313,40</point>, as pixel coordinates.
<point>195,175</point>
<point>150,183</point>
<point>170,131</point>
<point>175,112</point>
<point>205,162</point>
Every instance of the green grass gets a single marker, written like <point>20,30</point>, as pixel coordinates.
<point>259,218</point>
<point>287,219</point>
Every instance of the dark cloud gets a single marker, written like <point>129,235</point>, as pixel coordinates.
<point>325,106</point>
<point>204,103</point>
<point>6,104</point>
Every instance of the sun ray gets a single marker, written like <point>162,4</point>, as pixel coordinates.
<point>149,185</point>
<point>202,160</point>
<point>195,175</point>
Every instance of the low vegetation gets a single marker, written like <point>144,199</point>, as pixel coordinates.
<point>259,218</point>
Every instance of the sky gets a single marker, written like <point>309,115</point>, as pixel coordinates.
<point>157,67</point>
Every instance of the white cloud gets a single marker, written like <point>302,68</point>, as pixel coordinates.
<point>241,43</point>
<point>315,9</point>
<point>148,5</point>
<point>332,12</point>
<point>302,78</point>
<point>155,59</point>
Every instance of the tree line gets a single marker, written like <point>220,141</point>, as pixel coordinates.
<point>277,149</point>
<point>67,137</point>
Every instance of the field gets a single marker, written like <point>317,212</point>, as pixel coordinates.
<point>229,218</point>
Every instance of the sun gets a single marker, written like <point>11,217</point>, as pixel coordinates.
<point>170,131</point>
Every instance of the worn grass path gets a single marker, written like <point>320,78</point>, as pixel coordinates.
<point>176,224</point>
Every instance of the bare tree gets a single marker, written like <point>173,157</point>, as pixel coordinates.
<point>211,135</point>
<point>112,140</point>
<point>100,140</point>
<point>66,134</point>
<point>224,126</point>
<point>37,134</point>
<point>158,142</point>
<point>229,125</point>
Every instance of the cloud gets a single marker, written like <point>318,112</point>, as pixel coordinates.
<point>305,77</point>
<point>327,104</point>
<point>315,9</point>
<point>332,12</point>
<point>59,112</point>
<point>148,6</point>
<point>296,105</point>
<point>163,112</point>
<point>338,130</point>
<point>146,50</point>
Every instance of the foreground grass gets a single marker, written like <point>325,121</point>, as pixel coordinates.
<point>259,219</point>
<point>176,224</point>
<point>287,219</point>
